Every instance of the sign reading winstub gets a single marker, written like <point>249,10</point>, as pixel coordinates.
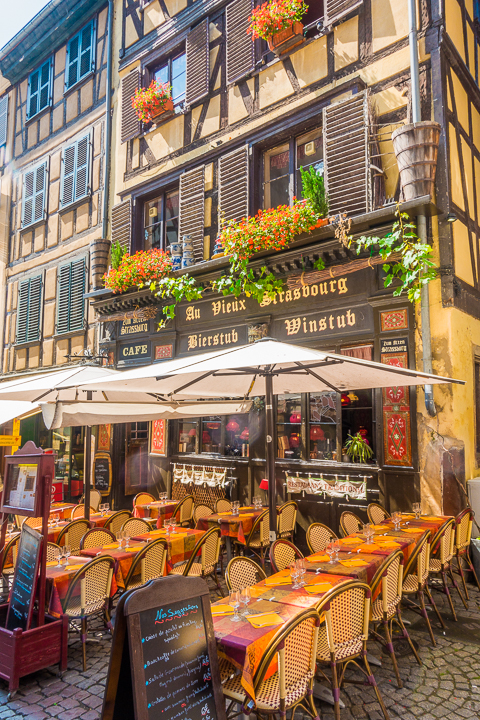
<point>324,324</point>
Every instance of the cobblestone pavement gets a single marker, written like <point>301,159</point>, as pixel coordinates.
<point>447,685</point>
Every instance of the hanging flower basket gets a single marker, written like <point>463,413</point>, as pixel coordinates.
<point>153,102</point>
<point>283,41</point>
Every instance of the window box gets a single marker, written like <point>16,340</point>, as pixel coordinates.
<point>167,111</point>
<point>285,40</point>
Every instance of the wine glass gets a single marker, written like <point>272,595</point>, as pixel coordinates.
<point>302,569</point>
<point>336,548</point>
<point>397,519</point>
<point>417,509</point>
<point>168,527</point>
<point>59,558</point>
<point>245,597</point>
<point>173,524</point>
<point>127,539</point>
<point>330,552</point>
<point>106,507</point>
<point>234,601</point>
<point>10,528</point>
<point>120,538</point>
<point>294,575</point>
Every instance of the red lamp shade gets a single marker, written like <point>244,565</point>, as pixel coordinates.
<point>344,399</point>
<point>264,484</point>
<point>294,440</point>
<point>206,437</point>
<point>213,425</point>
<point>295,417</point>
<point>316,433</point>
<point>233,426</point>
<point>192,432</point>
<point>245,434</point>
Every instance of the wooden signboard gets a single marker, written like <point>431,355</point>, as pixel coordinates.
<point>28,478</point>
<point>22,594</point>
<point>102,473</point>
<point>163,662</point>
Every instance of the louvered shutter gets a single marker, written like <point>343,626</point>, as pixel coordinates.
<point>27,201</point>
<point>198,63</point>
<point>63,298</point>
<point>130,122</point>
<point>87,63</point>
<point>192,208</point>
<point>29,310</point>
<point>71,74</point>
<point>40,192</point>
<point>122,224</point>
<point>336,9</point>
<point>233,185</point>
<point>70,301</point>
<point>33,93</point>
<point>44,89</point>
<point>39,94</point>
<point>3,119</point>
<point>68,175</point>
<point>82,167</point>
<point>22,311</point>
<point>346,155</point>
<point>240,57</point>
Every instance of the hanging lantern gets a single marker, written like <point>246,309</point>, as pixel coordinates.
<point>345,400</point>
<point>233,426</point>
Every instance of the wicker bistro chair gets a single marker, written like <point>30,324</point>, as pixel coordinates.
<point>96,537</point>
<point>416,582</point>
<point>386,608</point>
<point>282,554</point>
<point>258,540</point>
<point>143,498</point>
<point>52,551</point>
<point>95,499</point>
<point>135,526</point>
<point>6,573</point>
<point>89,594</point>
<point>208,546</point>
<point>349,523</point>
<point>223,505</point>
<point>463,535</point>
<point>342,639</point>
<point>79,511</point>
<point>287,519</point>
<point>33,522</point>
<point>291,686</point>
<point>116,521</point>
<point>319,536</point>
<point>148,564</point>
<point>443,545</point>
<point>201,511</point>
<point>377,513</point>
<point>73,533</point>
<point>183,511</point>
<point>243,572</point>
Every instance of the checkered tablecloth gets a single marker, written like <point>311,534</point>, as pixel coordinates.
<point>58,581</point>
<point>233,526</point>
<point>180,544</point>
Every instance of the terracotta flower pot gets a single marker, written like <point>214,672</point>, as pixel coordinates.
<point>167,109</point>
<point>284,40</point>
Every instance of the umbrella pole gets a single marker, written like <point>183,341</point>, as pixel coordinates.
<point>86,479</point>
<point>270,434</point>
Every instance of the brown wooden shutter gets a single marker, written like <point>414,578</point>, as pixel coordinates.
<point>233,185</point>
<point>192,208</point>
<point>198,63</point>
<point>240,57</point>
<point>122,224</point>
<point>336,9</point>
<point>130,123</point>
<point>346,155</point>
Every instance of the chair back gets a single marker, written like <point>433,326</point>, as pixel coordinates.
<point>184,509</point>
<point>287,517</point>
<point>33,522</point>
<point>260,527</point>
<point>318,537</point>
<point>209,548</point>
<point>148,564</point>
<point>10,554</point>
<point>97,537</point>
<point>350,523</point>
<point>53,551</point>
<point>419,560</point>
<point>347,614</point>
<point>223,505</point>
<point>201,511</point>
<point>135,526</point>
<point>116,521</point>
<point>390,577</point>
<point>243,572</point>
<point>443,541</point>
<point>463,532</point>
<point>90,587</point>
<point>143,498</point>
<point>295,648</point>
<point>282,554</point>
<point>79,511</point>
<point>95,499</point>
<point>73,533</point>
<point>377,513</point>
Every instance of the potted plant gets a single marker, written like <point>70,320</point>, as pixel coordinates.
<point>278,22</point>
<point>153,102</point>
<point>138,270</point>
<point>357,448</point>
<point>313,188</point>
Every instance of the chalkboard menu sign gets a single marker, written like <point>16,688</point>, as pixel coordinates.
<point>102,473</point>
<point>169,665</point>
<point>22,595</point>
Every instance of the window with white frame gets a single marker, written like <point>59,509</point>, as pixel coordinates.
<point>75,180</point>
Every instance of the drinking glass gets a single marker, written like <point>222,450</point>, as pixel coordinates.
<point>59,558</point>
<point>10,527</point>
<point>234,601</point>
<point>173,524</point>
<point>100,507</point>
<point>168,527</point>
<point>245,597</point>
<point>127,540</point>
<point>302,569</point>
<point>294,575</point>
<point>336,548</point>
<point>67,551</point>
<point>106,507</point>
<point>417,509</point>
<point>330,552</point>
<point>121,538</point>
<point>368,531</point>
<point>397,519</point>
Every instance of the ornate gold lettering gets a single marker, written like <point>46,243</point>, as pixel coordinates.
<point>216,307</point>
<point>296,294</point>
<point>341,321</point>
<point>322,324</point>
<point>312,326</point>
<point>314,290</point>
<point>292,326</point>
<point>192,342</point>
<point>342,286</point>
<point>306,290</point>
<point>350,317</point>
<point>288,296</point>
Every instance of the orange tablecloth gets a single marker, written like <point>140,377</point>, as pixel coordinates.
<point>234,526</point>
<point>62,509</point>
<point>123,560</point>
<point>58,580</point>
<point>160,510</point>
<point>180,544</point>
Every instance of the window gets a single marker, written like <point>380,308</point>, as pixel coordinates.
<point>29,309</point>
<point>174,72</point>
<point>39,89</point>
<point>289,426</point>
<point>187,436</point>
<point>3,119</point>
<point>281,168</point>
<point>323,425</point>
<point>223,435</point>
<point>70,302</point>
<point>34,195</point>
<point>161,220</point>
<point>75,171</point>
<point>80,55</point>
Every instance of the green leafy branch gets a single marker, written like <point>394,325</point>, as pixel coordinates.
<point>178,288</point>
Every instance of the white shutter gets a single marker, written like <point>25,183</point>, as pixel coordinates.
<point>198,63</point>
<point>68,175</point>
<point>240,57</point>
<point>233,185</point>
<point>28,198</point>
<point>82,167</point>
<point>192,208</point>
<point>40,192</point>
<point>3,119</point>
<point>72,65</point>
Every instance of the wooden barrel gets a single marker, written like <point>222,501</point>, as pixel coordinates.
<point>416,150</point>
<point>99,250</point>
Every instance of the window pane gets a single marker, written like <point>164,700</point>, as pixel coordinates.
<point>161,75</point>
<point>289,426</point>
<point>178,79</point>
<point>236,435</point>
<point>277,177</point>
<point>212,434</point>
<point>171,216</point>
<point>187,433</point>
<point>357,415</point>
<point>153,224</point>
<point>323,425</point>
<point>309,152</point>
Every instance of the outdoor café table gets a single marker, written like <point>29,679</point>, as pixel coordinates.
<point>180,544</point>
<point>123,557</point>
<point>231,526</point>
<point>361,566</point>
<point>381,545</point>
<point>279,588</point>
<point>99,520</point>
<point>160,510</point>
<point>64,510</point>
<point>58,580</point>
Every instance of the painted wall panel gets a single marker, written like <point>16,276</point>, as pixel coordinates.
<point>389,22</point>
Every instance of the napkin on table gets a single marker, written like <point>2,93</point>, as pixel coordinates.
<point>353,563</point>
<point>221,610</point>
<point>264,620</point>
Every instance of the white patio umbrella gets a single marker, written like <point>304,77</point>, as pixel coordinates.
<point>265,367</point>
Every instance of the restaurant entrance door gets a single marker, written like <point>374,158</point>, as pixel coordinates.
<point>136,456</point>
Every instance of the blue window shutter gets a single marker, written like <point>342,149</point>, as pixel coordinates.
<point>39,89</point>
<point>29,309</point>
<point>28,197</point>
<point>68,175</point>
<point>33,87</point>
<point>71,74</point>
<point>70,301</point>
<point>22,311</point>
<point>45,84</point>
<point>3,119</point>
<point>82,167</point>
<point>87,55</point>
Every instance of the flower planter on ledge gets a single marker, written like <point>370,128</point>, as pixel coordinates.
<point>284,40</point>
<point>165,112</point>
